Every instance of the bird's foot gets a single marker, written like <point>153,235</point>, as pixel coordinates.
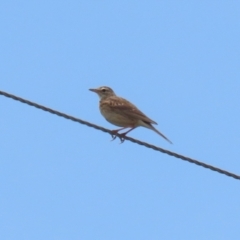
<point>113,134</point>
<point>120,136</point>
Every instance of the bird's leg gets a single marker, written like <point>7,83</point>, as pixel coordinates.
<point>122,135</point>
<point>113,132</point>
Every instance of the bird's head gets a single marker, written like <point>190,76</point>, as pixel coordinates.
<point>103,92</point>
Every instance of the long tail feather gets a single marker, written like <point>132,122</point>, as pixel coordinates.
<point>149,125</point>
<point>155,130</point>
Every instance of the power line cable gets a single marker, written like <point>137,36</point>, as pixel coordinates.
<point>176,155</point>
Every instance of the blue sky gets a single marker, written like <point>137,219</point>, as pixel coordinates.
<point>178,61</point>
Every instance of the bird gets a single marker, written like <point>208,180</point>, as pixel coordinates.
<point>122,113</point>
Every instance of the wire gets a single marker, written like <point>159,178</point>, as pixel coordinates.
<point>229,174</point>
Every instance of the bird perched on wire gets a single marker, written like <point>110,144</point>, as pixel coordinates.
<point>122,113</point>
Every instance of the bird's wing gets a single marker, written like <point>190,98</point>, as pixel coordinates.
<point>124,107</point>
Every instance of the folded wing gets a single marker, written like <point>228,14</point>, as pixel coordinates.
<point>127,109</point>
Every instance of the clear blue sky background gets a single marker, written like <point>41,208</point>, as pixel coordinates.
<point>178,61</point>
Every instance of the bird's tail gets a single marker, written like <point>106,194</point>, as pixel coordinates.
<point>155,130</point>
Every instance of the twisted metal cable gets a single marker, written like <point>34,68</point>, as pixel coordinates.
<point>229,174</point>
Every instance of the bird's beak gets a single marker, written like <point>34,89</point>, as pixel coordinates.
<point>93,90</point>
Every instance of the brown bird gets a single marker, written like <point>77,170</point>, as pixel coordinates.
<point>122,113</point>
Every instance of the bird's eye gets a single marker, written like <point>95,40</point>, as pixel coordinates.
<point>104,90</point>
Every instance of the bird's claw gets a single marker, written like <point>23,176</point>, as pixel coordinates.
<point>114,136</point>
<point>121,139</point>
